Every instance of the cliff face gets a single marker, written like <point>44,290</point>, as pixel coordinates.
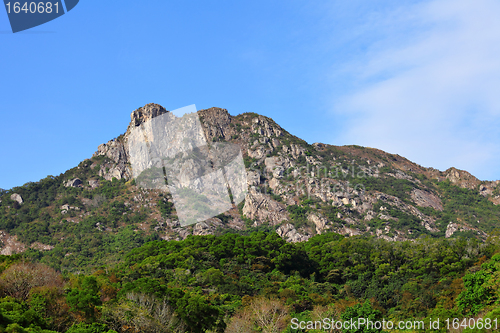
<point>295,189</point>
<point>216,124</point>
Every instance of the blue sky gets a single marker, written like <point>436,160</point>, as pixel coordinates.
<point>415,78</point>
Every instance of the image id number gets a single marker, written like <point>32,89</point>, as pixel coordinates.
<point>33,7</point>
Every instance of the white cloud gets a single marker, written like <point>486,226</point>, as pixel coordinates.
<point>431,88</point>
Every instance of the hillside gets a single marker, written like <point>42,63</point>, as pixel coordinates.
<point>95,212</point>
<point>324,232</point>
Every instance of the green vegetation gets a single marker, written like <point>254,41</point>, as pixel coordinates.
<point>215,283</point>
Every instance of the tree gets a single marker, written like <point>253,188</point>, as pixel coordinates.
<point>260,315</point>
<point>365,311</point>
<point>143,313</point>
<point>18,280</point>
<point>85,298</point>
<point>198,314</point>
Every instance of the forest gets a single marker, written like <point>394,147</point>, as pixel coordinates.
<point>255,283</point>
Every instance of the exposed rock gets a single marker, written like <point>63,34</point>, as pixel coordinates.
<point>264,126</point>
<point>183,232</point>
<point>253,178</point>
<point>400,175</point>
<point>117,172</point>
<point>450,229</point>
<point>274,184</point>
<point>258,153</point>
<point>65,208</point>
<point>41,247</point>
<point>487,188</point>
<point>319,221</point>
<point>290,234</point>
<point>296,150</point>
<point>319,145</point>
<point>426,221</point>
<point>147,112</point>
<point>273,141</point>
<point>454,227</point>
<point>461,178</point>
<point>216,123</point>
<point>201,228</point>
<point>74,183</point>
<point>114,150</point>
<point>261,207</point>
<point>495,199</point>
<point>426,199</point>
<point>349,231</point>
<point>17,197</point>
<point>274,166</point>
<point>93,183</point>
<point>10,244</point>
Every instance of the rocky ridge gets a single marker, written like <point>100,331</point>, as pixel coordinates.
<point>272,153</point>
<point>295,189</point>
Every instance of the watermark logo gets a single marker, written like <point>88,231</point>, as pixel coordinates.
<point>170,153</point>
<point>25,15</point>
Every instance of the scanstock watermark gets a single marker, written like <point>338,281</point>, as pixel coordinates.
<point>356,324</point>
<point>359,324</point>
<point>25,15</point>
<point>171,153</point>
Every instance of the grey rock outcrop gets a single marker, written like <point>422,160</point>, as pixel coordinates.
<point>261,207</point>
<point>116,150</point>
<point>17,197</point>
<point>93,183</point>
<point>77,182</point>
<point>426,199</point>
<point>290,234</point>
<point>216,124</point>
<point>263,126</point>
<point>145,113</point>
<point>454,227</point>
<point>461,178</point>
<point>319,221</point>
<point>117,167</point>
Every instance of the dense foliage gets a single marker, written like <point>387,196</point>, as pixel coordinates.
<point>233,283</point>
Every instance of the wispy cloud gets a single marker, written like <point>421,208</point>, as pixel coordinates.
<point>430,89</point>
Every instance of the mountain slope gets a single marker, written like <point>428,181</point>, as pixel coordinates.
<point>94,212</point>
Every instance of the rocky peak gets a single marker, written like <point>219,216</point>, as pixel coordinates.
<point>145,113</point>
<point>461,178</point>
<point>216,123</point>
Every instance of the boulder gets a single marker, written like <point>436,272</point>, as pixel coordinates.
<point>77,182</point>
<point>288,232</point>
<point>426,199</point>
<point>319,221</point>
<point>93,183</point>
<point>17,197</point>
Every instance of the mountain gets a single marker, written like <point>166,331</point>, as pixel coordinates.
<point>95,212</point>
<point>325,234</point>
